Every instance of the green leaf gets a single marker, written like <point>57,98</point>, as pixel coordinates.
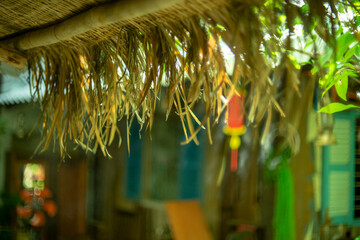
<point>331,78</point>
<point>341,85</point>
<point>282,18</point>
<point>353,73</point>
<point>341,9</point>
<point>350,53</point>
<point>357,238</point>
<point>357,53</point>
<point>315,69</point>
<point>305,9</point>
<point>326,56</point>
<point>336,107</point>
<point>349,65</point>
<point>220,27</point>
<point>342,43</point>
<point>357,21</point>
<point>309,43</point>
<point>297,21</point>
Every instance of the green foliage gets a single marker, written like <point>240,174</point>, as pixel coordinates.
<point>328,31</point>
<point>337,107</point>
<point>339,63</point>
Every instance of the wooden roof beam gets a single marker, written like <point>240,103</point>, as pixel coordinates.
<point>96,17</point>
<point>12,57</point>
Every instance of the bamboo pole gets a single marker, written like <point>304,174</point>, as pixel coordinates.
<point>96,17</point>
<point>12,57</point>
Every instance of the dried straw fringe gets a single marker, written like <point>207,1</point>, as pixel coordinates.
<point>89,88</point>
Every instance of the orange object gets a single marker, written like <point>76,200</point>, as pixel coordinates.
<point>24,211</point>
<point>235,126</point>
<point>46,193</point>
<point>50,207</point>
<point>234,160</point>
<point>187,221</point>
<point>38,220</point>
<point>26,195</point>
<point>236,111</point>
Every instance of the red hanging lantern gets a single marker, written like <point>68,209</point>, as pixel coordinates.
<point>235,126</point>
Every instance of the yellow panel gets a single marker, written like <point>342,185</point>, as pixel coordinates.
<point>187,221</point>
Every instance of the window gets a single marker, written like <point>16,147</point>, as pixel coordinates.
<point>341,169</point>
<point>162,169</point>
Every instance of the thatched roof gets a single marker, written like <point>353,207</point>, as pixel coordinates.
<point>94,62</point>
